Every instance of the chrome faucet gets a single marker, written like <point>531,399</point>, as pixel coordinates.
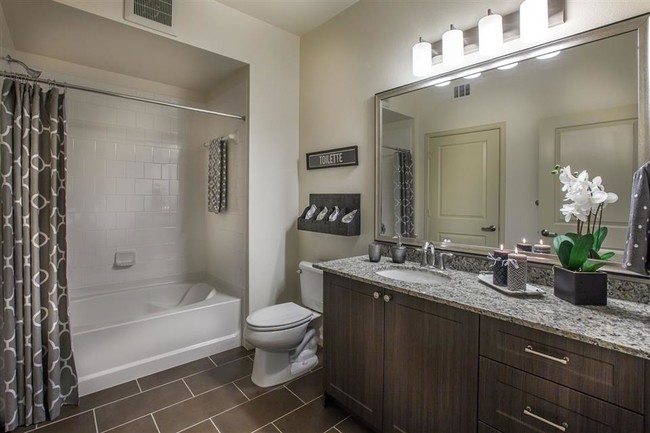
<point>442,265</point>
<point>428,254</point>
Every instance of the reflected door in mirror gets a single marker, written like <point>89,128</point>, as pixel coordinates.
<point>463,187</point>
<point>585,142</point>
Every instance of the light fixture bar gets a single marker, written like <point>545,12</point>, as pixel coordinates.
<point>556,16</point>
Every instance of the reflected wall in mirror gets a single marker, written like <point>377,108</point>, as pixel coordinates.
<point>471,162</point>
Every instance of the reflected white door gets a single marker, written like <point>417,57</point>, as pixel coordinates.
<point>581,141</point>
<point>463,196</point>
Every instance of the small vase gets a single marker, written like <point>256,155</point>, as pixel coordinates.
<point>580,288</point>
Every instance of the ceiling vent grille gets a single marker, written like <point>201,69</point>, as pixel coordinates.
<point>462,91</point>
<point>155,14</point>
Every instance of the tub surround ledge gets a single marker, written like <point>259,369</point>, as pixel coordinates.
<point>621,325</point>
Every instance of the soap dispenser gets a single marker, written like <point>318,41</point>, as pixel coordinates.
<point>398,252</point>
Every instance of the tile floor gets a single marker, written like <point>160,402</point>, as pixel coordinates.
<point>211,395</point>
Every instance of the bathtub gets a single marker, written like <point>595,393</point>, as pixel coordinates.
<point>122,334</point>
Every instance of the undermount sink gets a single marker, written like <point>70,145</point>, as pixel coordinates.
<point>414,275</point>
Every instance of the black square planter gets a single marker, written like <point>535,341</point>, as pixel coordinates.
<point>580,288</point>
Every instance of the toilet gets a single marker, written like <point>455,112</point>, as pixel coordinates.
<point>285,336</point>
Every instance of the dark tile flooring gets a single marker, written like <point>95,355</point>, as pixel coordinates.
<point>211,395</point>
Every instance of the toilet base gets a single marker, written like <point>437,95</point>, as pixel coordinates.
<point>275,368</point>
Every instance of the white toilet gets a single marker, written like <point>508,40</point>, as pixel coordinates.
<point>285,343</point>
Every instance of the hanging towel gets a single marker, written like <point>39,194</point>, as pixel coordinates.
<point>217,175</point>
<point>636,245</point>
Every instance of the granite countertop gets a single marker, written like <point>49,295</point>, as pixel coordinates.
<point>621,325</point>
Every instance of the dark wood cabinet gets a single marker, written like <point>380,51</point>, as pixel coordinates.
<point>353,323</point>
<point>397,362</point>
<point>405,364</point>
<point>513,401</point>
<point>430,367</point>
<point>593,370</point>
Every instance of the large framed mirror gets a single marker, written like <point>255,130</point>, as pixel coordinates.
<point>465,159</point>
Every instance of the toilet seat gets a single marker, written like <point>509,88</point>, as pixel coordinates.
<point>279,317</point>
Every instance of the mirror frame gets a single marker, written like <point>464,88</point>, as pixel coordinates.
<point>640,24</point>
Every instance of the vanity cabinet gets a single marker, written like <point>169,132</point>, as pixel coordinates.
<point>400,363</point>
<point>532,381</point>
<point>353,328</point>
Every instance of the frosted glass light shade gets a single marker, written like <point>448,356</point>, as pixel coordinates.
<point>533,20</point>
<point>490,34</point>
<point>422,65</point>
<point>453,49</point>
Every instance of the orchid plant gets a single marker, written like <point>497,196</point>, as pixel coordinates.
<point>585,200</point>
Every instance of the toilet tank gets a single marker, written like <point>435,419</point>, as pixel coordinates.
<point>311,286</point>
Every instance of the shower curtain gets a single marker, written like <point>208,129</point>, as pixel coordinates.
<point>404,206</point>
<point>38,369</point>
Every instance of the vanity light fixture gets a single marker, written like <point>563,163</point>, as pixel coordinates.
<point>443,84</point>
<point>533,20</point>
<point>549,55</point>
<point>422,64</point>
<point>509,66</point>
<point>453,49</point>
<point>490,34</point>
<point>472,76</point>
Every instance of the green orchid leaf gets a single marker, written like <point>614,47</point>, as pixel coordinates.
<point>572,236</point>
<point>608,255</point>
<point>580,251</point>
<point>594,255</point>
<point>557,240</point>
<point>592,267</point>
<point>599,238</point>
<point>564,253</point>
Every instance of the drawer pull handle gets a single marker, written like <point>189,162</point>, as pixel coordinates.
<point>564,360</point>
<point>376,295</point>
<point>529,412</point>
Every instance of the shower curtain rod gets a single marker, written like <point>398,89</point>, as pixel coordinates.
<point>117,95</point>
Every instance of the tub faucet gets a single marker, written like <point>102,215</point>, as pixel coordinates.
<point>428,254</point>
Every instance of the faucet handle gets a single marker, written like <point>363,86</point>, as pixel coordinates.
<point>444,255</point>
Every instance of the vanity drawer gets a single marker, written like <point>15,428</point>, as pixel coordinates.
<point>603,373</point>
<point>512,401</point>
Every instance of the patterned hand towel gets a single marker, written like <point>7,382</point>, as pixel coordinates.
<point>217,175</point>
<point>636,246</point>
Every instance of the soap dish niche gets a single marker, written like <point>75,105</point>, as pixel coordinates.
<point>346,203</point>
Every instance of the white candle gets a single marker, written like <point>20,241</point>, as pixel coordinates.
<point>517,271</point>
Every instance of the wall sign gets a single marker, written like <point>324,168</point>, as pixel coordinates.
<point>333,158</point>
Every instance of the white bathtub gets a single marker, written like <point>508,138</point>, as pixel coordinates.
<point>120,335</point>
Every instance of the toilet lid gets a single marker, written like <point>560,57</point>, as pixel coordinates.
<point>281,315</point>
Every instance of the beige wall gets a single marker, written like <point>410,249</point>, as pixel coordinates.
<point>366,50</point>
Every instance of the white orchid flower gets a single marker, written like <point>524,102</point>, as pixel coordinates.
<point>584,198</point>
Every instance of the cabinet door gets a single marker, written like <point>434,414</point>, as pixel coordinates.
<point>431,367</point>
<point>354,345</point>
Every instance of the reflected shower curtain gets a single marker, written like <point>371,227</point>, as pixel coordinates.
<point>403,193</point>
<point>38,369</point>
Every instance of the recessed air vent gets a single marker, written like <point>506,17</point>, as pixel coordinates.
<point>155,14</point>
<point>461,91</point>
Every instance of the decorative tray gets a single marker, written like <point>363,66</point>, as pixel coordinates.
<point>531,291</point>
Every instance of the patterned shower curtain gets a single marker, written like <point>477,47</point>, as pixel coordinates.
<point>404,205</point>
<point>38,369</point>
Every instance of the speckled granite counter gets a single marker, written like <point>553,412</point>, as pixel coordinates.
<point>621,325</point>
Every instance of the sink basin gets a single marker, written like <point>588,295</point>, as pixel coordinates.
<point>414,275</point>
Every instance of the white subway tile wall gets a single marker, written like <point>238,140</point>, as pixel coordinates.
<point>128,165</point>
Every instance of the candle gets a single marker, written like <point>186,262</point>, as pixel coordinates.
<point>500,272</point>
<point>542,248</point>
<point>523,246</point>
<point>517,271</point>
